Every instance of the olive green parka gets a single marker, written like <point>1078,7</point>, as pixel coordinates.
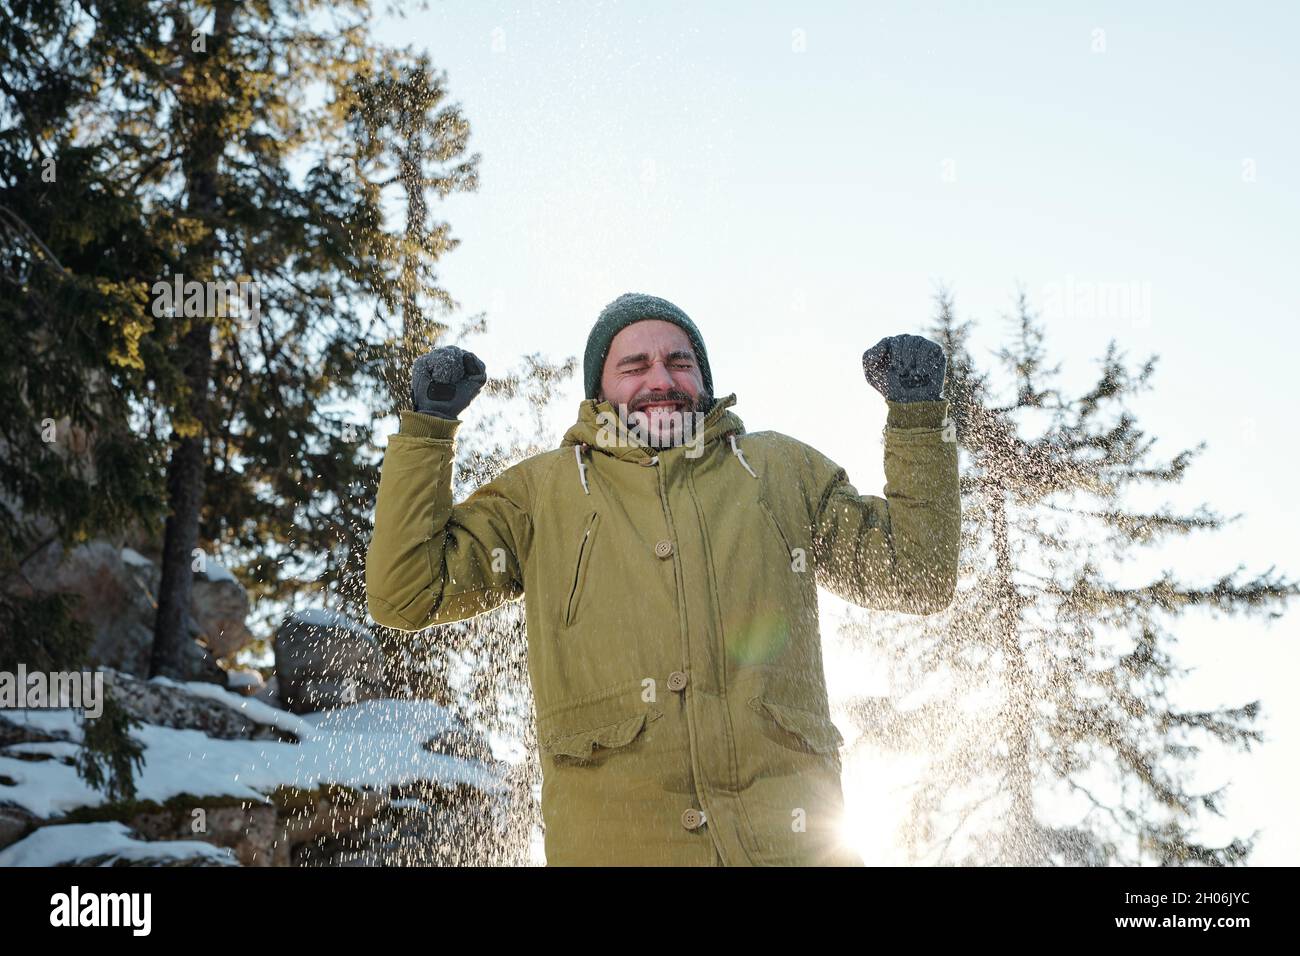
<point>673,642</point>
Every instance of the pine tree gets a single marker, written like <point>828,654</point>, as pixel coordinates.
<point>398,142</point>
<point>76,243</point>
<point>173,142</point>
<point>409,138</point>
<point>252,445</point>
<point>295,469</point>
<point>207,116</point>
<point>74,239</point>
<point>406,136</point>
<point>1045,685</point>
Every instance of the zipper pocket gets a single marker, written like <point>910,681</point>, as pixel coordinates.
<point>580,569</point>
<point>785,542</point>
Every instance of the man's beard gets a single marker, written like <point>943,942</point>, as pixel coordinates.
<point>674,429</point>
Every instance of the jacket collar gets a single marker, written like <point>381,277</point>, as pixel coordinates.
<point>599,427</point>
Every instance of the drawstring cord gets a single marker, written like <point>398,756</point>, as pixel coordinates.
<point>735,450</point>
<point>580,449</point>
<point>582,466</point>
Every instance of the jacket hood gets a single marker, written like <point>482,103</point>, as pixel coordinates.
<point>599,427</point>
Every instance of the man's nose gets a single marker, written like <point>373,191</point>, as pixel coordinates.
<point>658,377</point>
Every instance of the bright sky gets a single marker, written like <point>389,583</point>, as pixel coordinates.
<point>799,177</point>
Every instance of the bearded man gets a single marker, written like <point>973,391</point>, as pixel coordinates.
<point>671,562</point>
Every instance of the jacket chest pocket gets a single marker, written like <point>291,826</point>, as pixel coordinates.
<point>580,565</point>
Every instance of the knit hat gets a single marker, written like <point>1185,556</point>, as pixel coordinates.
<point>633,307</point>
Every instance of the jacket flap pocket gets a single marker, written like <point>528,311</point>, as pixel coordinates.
<point>820,733</point>
<point>581,744</point>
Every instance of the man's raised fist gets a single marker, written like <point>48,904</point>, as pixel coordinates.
<point>445,381</point>
<point>906,368</point>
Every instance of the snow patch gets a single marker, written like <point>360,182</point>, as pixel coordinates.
<point>216,571</point>
<point>53,748</point>
<point>236,679</point>
<point>53,845</point>
<point>135,558</point>
<point>250,707</point>
<point>376,744</point>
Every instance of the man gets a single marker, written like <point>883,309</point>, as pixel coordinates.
<point>671,567</point>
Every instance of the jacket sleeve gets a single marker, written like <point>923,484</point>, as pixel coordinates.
<point>430,561</point>
<point>899,552</point>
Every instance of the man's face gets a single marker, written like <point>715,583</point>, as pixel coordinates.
<point>652,379</point>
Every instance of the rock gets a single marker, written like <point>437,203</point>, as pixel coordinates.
<point>326,812</point>
<point>269,693</point>
<point>249,831</point>
<point>218,602</point>
<point>244,680</point>
<point>114,602</point>
<point>426,824</point>
<point>15,823</point>
<point>324,660</point>
<point>197,662</point>
<point>167,706</point>
<point>17,732</point>
<point>461,742</point>
<point>220,605</point>
<point>117,587</point>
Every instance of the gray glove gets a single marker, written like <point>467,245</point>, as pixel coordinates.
<point>445,381</point>
<point>906,368</point>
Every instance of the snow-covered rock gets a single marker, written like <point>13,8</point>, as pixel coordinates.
<point>166,703</point>
<point>108,844</point>
<point>217,572</point>
<point>323,659</point>
<point>244,681</point>
<point>263,783</point>
<point>251,683</point>
<point>15,823</point>
<point>220,606</point>
<point>269,693</point>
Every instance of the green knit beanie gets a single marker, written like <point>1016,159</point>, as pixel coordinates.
<point>633,307</point>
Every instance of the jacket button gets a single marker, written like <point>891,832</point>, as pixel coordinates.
<point>692,819</point>
<point>676,680</point>
<point>664,548</point>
